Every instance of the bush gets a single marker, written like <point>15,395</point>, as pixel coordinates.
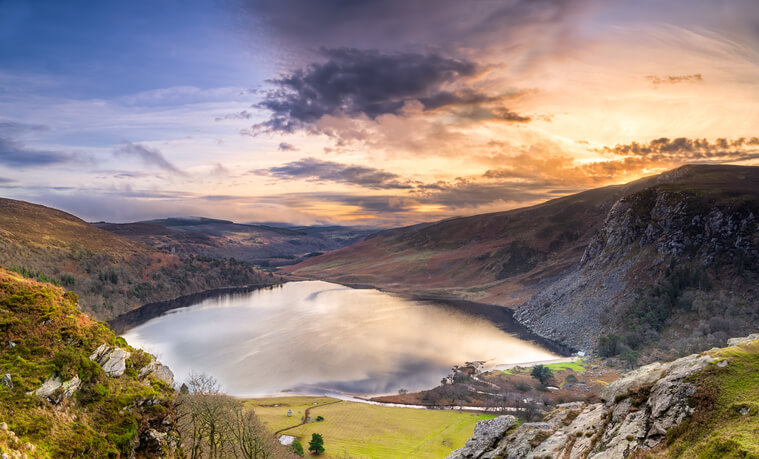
<point>541,373</point>
<point>298,448</point>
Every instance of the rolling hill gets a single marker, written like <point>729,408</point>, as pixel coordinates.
<point>111,274</point>
<point>261,245</point>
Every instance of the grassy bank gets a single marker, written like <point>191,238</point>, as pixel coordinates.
<point>726,421</point>
<point>360,430</point>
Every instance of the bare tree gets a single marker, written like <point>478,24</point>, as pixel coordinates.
<point>251,439</point>
<point>214,425</point>
<point>202,417</point>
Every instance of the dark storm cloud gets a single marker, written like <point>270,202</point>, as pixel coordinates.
<point>674,79</point>
<point>364,82</point>
<point>329,171</point>
<point>149,156</point>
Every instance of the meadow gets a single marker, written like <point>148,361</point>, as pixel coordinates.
<point>360,430</point>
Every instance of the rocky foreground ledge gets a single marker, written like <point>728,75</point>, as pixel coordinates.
<point>636,413</point>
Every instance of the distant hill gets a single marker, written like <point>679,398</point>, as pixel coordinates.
<point>111,274</point>
<point>622,262</point>
<point>258,244</point>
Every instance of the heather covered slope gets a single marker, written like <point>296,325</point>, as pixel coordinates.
<point>111,274</point>
<point>261,245</point>
<point>43,338</point>
<point>495,258</point>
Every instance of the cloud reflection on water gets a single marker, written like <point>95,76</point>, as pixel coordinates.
<point>322,335</point>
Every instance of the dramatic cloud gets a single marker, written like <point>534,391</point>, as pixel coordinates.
<point>685,149</point>
<point>674,79</point>
<point>284,146</point>
<point>354,82</point>
<point>328,171</point>
<point>149,156</point>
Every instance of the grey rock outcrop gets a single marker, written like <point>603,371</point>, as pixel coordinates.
<point>743,340</point>
<point>112,359</point>
<point>486,435</point>
<point>635,414</point>
<point>158,371</point>
<point>8,381</point>
<point>53,389</point>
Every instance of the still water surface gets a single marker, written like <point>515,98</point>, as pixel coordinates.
<point>316,337</point>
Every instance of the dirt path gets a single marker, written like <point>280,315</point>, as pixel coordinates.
<point>305,417</point>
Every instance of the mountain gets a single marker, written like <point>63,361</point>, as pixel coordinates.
<point>658,267</point>
<point>697,406</point>
<point>110,274</point>
<point>673,270</point>
<point>261,245</point>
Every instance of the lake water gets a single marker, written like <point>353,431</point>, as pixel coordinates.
<point>317,337</point>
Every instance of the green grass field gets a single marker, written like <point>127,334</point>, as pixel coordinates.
<point>360,430</point>
<point>719,428</point>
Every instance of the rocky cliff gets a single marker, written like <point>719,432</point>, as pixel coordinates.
<point>700,405</point>
<point>678,253</point>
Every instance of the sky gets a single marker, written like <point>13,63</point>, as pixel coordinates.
<point>364,112</point>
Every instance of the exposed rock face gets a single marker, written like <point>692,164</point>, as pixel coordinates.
<point>112,359</point>
<point>643,234</point>
<point>638,410</point>
<point>159,371</point>
<point>745,339</point>
<point>486,435</point>
<point>53,389</point>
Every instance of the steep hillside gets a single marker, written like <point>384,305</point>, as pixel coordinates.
<point>674,270</point>
<point>659,267</point>
<point>697,406</point>
<point>111,274</point>
<point>70,387</point>
<point>262,245</point>
<point>495,258</point>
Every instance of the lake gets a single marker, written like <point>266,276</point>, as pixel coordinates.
<point>317,337</point>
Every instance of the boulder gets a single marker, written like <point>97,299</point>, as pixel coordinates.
<point>50,387</point>
<point>112,359</point>
<point>8,381</point>
<point>486,435</point>
<point>71,386</point>
<point>743,340</point>
<point>158,371</point>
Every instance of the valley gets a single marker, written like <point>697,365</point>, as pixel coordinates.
<point>403,341</point>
